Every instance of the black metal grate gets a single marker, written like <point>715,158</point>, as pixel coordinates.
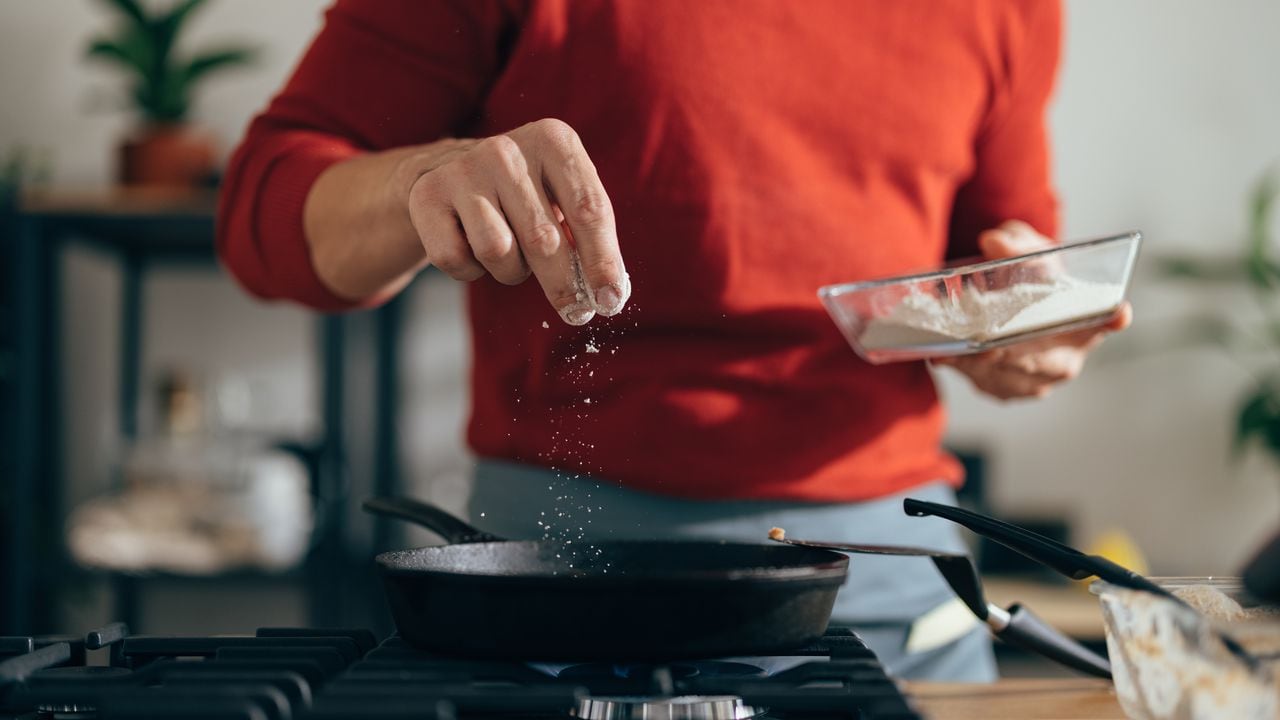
<point>305,674</point>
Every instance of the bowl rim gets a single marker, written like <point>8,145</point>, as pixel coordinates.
<point>1221,582</point>
<point>837,289</point>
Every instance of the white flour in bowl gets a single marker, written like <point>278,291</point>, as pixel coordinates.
<point>979,316</point>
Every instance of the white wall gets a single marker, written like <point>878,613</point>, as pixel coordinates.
<point>56,100</point>
<point>1167,110</point>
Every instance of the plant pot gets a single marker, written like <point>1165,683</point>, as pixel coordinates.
<point>168,155</point>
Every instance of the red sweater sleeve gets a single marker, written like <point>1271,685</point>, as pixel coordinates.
<point>1011,179</point>
<point>379,75</point>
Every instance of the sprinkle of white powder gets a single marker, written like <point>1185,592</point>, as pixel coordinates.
<point>592,347</point>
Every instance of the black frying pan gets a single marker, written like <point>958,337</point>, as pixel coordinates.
<point>616,600</point>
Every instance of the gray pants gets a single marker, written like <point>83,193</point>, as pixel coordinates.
<point>882,599</point>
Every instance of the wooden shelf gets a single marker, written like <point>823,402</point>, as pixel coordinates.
<point>139,222</point>
<point>120,202</point>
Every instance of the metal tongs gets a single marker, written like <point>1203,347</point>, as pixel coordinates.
<point>1016,624</point>
<point>1063,559</point>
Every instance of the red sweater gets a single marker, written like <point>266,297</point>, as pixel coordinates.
<point>753,150</point>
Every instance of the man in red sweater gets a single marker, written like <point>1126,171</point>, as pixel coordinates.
<point>722,159</point>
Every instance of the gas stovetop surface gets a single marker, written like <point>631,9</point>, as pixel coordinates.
<point>305,673</point>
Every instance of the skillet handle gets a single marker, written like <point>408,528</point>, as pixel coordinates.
<point>455,531</point>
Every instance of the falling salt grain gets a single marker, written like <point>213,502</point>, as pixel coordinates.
<point>587,401</point>
<point>592,348</point>
<point>545,325</point>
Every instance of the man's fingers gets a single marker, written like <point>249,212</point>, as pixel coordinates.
<point>1121,320</point>
<point>544,246</point>
<point>1034,368</point>
<point>1008,375</point>
<point>491,239</point>
<point>1088,338</point>
<point>1000,383</point>
<point>441,235</point>
<point>445,245</point>
<point>527,202</point>
<point>1013,238</point>
<point>1053,365</point>
<point>1011,385</point>
<point>580,196</point>
<point>1010,239</point>
<point>1020,227</point>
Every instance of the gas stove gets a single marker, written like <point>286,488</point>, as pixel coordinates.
<point>324,674</point>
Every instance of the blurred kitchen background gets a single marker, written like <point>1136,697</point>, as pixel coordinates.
<point>127,358</point>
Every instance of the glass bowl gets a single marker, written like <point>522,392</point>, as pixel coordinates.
<point>1169,661</point>
<point>979,306</point>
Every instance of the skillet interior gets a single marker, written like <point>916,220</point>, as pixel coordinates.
<point>637,559</point>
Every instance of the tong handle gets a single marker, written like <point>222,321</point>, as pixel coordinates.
<point>1061,558</point>
<point>1028,631</point>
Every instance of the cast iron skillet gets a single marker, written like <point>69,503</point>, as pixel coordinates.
<point>486,597</point>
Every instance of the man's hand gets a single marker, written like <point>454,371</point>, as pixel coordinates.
<point>1033,368</point>
<point>527,202</point>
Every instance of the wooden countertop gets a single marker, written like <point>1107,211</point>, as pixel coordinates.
<point>1018,699</point>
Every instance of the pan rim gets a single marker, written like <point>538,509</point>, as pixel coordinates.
<point>833,569</point>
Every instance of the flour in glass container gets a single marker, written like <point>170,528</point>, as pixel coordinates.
<point>978,316</point>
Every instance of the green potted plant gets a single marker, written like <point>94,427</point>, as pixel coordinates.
<point>1253,343</point>
<point>164,150</point>
<point>21,169</point>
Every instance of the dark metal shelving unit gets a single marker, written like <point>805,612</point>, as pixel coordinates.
<point>144,231</point>
<point>12,529</point>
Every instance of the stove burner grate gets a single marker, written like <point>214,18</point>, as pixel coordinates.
<point>327,674</point>
<point>681,670</point>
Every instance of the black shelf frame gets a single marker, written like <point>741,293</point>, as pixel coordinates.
<point>32,549</point>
